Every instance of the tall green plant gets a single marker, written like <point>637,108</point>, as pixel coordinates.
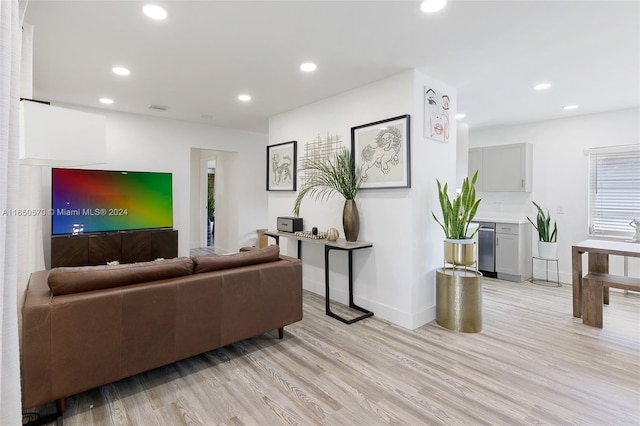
<point>457,214</point>
<point>211,204</point>
<point>544,226</point>
<point>328,177</point>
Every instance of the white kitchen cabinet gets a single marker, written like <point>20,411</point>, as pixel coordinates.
<point>475,164</point>
<point>513,251</point>
<point>503,168</point>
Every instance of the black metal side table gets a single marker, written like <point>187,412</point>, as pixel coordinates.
<point>340,245</point>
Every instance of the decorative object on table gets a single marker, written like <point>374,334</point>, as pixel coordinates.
<point>314,230</point>
<point>289,224</point>
<point>547,239</point>
<point>382,152</point>
<point>336,174</point>
<point>311,235</point>
<point>436,115</point>
<point>262,239</point>
<point>635,224</point>
<point>281,166</point>
<point>459,247</point>
<point>333,234</point>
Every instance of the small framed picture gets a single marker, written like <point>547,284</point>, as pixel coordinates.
<point>282,166</point>
<point>382,154</point>
<point>436,115</point>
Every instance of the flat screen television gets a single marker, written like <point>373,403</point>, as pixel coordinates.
<point>89,201</point>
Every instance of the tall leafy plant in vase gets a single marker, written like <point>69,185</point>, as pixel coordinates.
<point>334,175</point>
<point>547,237</point>
<point>457,215</point>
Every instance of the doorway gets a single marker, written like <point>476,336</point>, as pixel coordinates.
<point>224,238</point>
<point>204,200</point>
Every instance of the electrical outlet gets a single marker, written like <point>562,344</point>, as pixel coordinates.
<point>560,210</point>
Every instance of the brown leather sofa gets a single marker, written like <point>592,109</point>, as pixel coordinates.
<point>85,327</point>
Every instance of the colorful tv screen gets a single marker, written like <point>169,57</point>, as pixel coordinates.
<point>85,201</point>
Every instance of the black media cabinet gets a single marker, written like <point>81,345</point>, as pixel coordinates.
<point>125,247</point>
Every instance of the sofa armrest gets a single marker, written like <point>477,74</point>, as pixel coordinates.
<point>36,342</point>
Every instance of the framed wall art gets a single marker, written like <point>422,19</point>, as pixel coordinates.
<point>282,166</point>
<point>436,115</point>
<point>382,153</point>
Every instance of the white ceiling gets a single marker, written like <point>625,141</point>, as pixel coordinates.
<point>205,53</point>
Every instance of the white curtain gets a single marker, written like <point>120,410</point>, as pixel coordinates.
<point>31,187</point>
<point>10,46</point>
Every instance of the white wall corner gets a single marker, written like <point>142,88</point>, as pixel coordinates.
<point>434,159</point>
<point>395,278</point>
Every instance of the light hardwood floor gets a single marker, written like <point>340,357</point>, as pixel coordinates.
<point>533,363</point>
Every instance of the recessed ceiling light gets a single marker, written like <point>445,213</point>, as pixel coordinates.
<point>430,6</point>
<point>244,98</point>
<point>120,71</point>
<point>106,101</point>
<point>542,86</point>
<point>570,107</point>
<point>308,67</point>
<point>154,12</point>
<point>460,116</point>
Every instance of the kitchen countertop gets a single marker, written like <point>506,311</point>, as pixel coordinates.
<point>511,220</point>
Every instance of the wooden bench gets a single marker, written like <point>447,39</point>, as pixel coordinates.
<point>593,289</point>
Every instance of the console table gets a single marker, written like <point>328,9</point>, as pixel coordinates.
<point>340,245</point>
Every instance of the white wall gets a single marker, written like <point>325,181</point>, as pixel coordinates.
<point>395,278</point>
<point>560,171</point>
<point>143,143</point>
<point>462,153</point>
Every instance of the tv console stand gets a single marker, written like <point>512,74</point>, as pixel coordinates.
<point>125,247</point>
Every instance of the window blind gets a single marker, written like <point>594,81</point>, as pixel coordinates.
<point>614,191</point>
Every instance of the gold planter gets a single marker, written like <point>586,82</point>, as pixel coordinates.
<point>459,253</point>
<point>350,220</point>
<point>459,299</point>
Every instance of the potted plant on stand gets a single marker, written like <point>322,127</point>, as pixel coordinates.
<point>459,291</point>
<point>547,239</point>
<point>456,217</point>
<point>335,175</point>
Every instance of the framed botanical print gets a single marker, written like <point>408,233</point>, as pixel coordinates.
<point>382,154</point>
<point>281,166</point>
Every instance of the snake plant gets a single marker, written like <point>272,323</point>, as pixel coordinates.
<point>544,226</point>
<point>457,214</point>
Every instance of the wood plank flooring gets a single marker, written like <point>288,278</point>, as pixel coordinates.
<point>533,363</point>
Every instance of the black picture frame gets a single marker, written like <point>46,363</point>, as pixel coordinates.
<point>282,166</point>
<point>381,151</point>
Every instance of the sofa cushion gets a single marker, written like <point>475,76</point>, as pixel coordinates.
<point>244,258</point>
<point>67,280</point>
